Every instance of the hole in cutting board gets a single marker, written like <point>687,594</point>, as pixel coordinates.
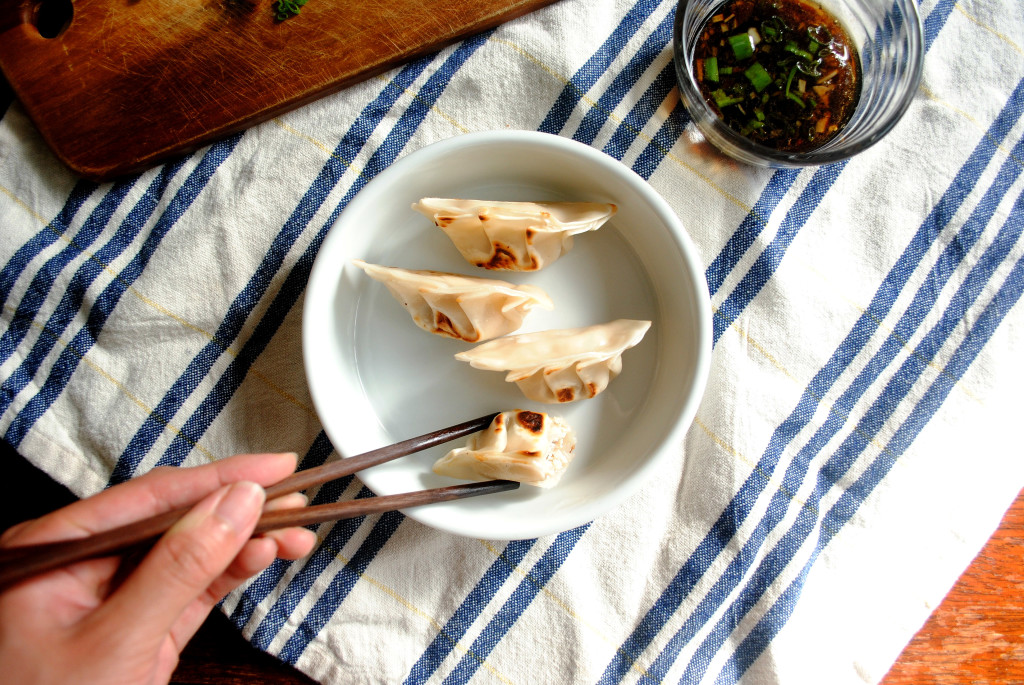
<point>51,17</point>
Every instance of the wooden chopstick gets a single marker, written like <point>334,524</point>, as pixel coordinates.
<point>304,516</point>
<point>18,563</point>
<point>300,480</point>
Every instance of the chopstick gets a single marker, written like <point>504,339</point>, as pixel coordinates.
<point>300,480</point>
<point>18,563</point>
<point>304,516</point>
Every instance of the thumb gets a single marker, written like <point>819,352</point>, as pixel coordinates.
<point>186,560</point>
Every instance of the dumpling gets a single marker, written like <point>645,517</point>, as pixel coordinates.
<point>562,365</point>
<point>513,236</point>
<point>461,307</point>
<point>526,446</point>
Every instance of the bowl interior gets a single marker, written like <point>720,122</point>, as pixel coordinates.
<point>376,378</point>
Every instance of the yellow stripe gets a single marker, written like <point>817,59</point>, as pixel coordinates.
<point>119,385</point>
<point>618,120</point>
<point>288,397</point>
<point>27,208</point>
<point>1008,151</point>
<point>565,607</point>
<point>433,107</point>
<point>1006,39</point>
<point>405,602</point>
<point>891,332</point>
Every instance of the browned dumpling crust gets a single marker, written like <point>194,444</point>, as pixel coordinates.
<point>531,447</point>
<point>560,365</point>
<point>461,307</point>
<point>513,236</point>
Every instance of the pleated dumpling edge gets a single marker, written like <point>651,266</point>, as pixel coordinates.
<point>513,236</point>
<point>465,308</point>
<point>563,365</point>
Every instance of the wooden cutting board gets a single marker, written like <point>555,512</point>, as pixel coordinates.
<point>125,84</point>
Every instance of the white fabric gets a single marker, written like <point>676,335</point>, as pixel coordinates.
<point>655,590</point>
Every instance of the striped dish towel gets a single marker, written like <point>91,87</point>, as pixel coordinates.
<point>854,450</point>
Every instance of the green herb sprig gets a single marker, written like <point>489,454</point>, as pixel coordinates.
<point>286,9</point>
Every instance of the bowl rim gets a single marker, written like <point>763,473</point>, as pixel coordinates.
<point>322,283</point>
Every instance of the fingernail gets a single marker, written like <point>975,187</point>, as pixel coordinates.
<point>241,504</point>
<point>294,456</point>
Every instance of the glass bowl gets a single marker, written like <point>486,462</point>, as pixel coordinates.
<point>890,40</point>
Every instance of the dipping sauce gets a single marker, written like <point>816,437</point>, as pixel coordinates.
<point>782,73</point>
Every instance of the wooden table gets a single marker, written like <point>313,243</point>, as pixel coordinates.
<point>975,636</point>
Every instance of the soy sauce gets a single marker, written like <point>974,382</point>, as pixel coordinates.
<point>782,73</point>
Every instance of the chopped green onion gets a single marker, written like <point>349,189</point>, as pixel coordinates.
<point>755,123</point>
<point>726,70</point>
<point>772,29</point>
<point>791,47</point>
<point>723,100</point>
<point>810,68</point>
<point>758,76</point>
<point>711,69</point>
<point>819,34</point>
<point>813,46</point>
<point>286,9</point>
<point>759,114</point>
<point>741,45</point>
<point>793,96</point>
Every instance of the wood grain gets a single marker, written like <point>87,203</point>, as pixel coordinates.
<point>128,84</point>
<point>977,633</point>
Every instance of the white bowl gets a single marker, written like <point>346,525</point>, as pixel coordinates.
<point>376,378</point>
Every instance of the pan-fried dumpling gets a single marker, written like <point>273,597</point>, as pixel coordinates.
<point>513,236</point>
<point>561,365</point>
<point>461,307</point>
<point>526,446</point>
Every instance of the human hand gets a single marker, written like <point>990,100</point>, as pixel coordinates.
<point>95,622</point>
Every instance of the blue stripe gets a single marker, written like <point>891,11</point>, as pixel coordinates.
<point>44,238</point>
<point>329,176</point>
<point>381,158</point>
<point>657,149</point>
<point>74,294</point>
<point>295,282</point>
<point>795,474</point>
<point>105,303</point>
<point>263,584</point>
<point>725,527</point>
<point>43,281</point>
<point>843,510</point>
<point>340,586</point>
<point>354,138</point>
<point>515,605</point>
<point>339,535</point>
<point>752,225</point>
<point>584,79</point>
<point>935,20</point>
<point>923,302</point>
<point>641,113</point>
<point>469,610</point>
<point>768,261</point>
<point>626,79</point>
<point>620,141</point>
